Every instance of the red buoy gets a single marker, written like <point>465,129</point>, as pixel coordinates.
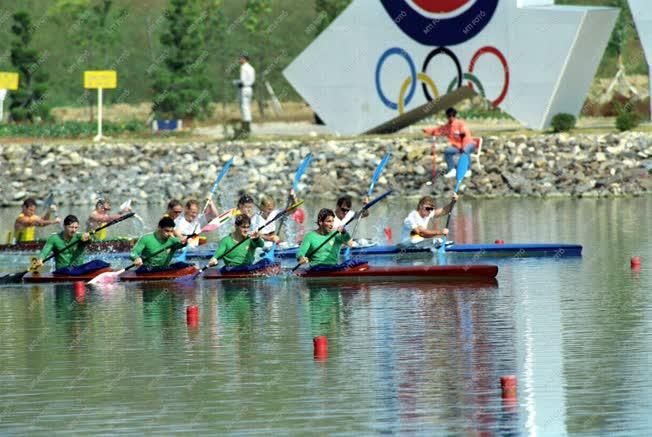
<point>635,262</point>
<point>320,344</point>
<point>499,241</point>
<point>80,291</point>
<point>192,315</point>
<point>508,386</point>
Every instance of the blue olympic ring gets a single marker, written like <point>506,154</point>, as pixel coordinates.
<point>413,72</point>
<point>444,32</point>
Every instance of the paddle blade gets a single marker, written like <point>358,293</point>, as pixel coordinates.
<point>183,256</point>
<point>125,205</point>
<point>462,168</point>
<point>49,202</point>
<point>300,171</point>
<point>291,208</point>
<point>107,277</point>
<point>442,248</point>
<point>12,278</point>
<point>220,176</point>
<point>220,220</point>
<point>379,170</point>
<point>271,254</point>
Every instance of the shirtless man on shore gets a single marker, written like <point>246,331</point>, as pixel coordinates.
<point>27,221</point>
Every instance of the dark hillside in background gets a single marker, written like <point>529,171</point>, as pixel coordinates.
<point>138,47</point>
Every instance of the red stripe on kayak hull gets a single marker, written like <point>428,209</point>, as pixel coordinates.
<point>49,277</point>
<point>158,276</point>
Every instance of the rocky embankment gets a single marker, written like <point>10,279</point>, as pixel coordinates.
<point>543,165</point>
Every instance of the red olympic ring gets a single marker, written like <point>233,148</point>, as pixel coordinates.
<point>501,58</point>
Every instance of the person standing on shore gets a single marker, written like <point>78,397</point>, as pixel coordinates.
<point>246,83</point>
<point>27,220</point>
<point>460,138</point>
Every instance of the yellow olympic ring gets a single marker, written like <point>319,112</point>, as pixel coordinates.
<point>423,78</point>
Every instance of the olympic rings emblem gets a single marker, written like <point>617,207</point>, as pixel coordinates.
<point>408,86</point>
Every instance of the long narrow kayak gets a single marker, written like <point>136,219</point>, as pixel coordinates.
<point>433,274</point>
<point>467,273</point>
<point>36,277</point>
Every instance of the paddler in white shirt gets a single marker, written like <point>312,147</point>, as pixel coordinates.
<point>421,223</point>
<point>343,213</point>
<point>190,222</point>
<point>267,212</point>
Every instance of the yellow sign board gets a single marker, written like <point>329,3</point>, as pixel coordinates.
<point>100,79</point>
<point>8,81</point>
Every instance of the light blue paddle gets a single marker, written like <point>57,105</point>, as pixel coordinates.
<point>218,179</point>
<point>374,179</point>
<point>462,168</point>
<point>270,255</point>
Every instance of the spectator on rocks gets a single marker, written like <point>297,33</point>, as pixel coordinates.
<point>460,138</point>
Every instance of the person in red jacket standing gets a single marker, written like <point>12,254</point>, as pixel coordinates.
<point>460,138</point>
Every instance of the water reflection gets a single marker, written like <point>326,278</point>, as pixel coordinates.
<point>408,357</point>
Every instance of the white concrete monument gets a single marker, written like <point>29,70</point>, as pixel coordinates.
<point>381,58</point>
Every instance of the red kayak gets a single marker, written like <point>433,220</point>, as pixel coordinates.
<point>158,276</point>
<point>34,277</point>
<point>364,272</point>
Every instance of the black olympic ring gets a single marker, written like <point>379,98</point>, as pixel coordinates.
<point>431,55</point>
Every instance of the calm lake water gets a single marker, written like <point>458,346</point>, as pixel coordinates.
<point>403,358</point>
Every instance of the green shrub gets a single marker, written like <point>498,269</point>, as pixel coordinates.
<point>70,129</point>
<point>29,101</point>
<point>563,122</point>
<point>181,88</point>
<point>627,120</point>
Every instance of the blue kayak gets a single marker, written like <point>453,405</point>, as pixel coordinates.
<point>489,250</point>
<point>466,250</point>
